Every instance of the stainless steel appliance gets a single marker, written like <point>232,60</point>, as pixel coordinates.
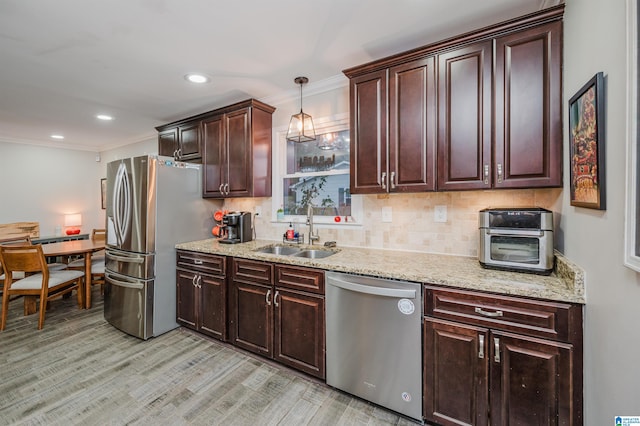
<point>153,203</point>
<point>519,239</point>
<point>237,227</point>
<point>374,340</point>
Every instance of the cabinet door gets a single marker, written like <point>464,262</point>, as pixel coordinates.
<point>299,331</point>
<point>168,142</point>
<point>251,322</point>
<point>238,169</point>
<point>531,381</point>
<point>455,373</point>
<point>189,141</point>
<point>464,120</point>
<point>186,299</point>
<point>368,108</point>
<point>412,126</point>
<point>528,108</point>
<point>214,164</point>
<point>213,306</point>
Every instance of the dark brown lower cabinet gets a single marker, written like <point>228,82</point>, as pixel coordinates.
<point>202,296</point>
<point>274,318</point>
<point>499,360</point>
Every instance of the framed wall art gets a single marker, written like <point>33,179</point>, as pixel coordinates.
<point>586,140</point>
<point>103,193</point>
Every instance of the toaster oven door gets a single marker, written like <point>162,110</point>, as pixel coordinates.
<point>515,249</point>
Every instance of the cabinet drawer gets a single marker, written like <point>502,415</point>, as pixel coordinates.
<point>201,262</point>
<point>305,279</point>
<point>552,320</point>
<point>253,272</point>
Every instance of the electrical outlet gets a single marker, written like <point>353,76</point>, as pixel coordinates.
<point>440,214</point>
<point>387,214</point>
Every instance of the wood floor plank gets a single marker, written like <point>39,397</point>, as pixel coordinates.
<point>79,370</point>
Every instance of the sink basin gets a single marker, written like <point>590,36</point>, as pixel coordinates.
<point>278,249</point>
<point>313,253</point>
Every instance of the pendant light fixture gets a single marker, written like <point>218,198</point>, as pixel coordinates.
<point>301,125</point>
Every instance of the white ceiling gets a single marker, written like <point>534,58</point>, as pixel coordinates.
<point>64,61</point>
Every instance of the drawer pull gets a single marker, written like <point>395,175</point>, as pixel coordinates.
<point>495,314</point>
<point>197,261</point>
<point>268,297</point>
<point>481,346</point>
<point>496,348</point>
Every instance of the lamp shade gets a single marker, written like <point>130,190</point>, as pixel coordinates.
<point>73,219</point>
<point>301,128</point>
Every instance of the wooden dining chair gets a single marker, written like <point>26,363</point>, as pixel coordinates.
<point>97,259</point>
<point>14,241</point>
<point>39,282</point>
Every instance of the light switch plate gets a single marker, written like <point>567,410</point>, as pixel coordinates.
<point>440,214</point>
<point>387,213</point>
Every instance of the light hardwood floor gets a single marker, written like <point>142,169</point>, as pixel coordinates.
<point>81,370</point>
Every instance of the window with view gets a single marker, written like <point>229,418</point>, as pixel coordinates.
<point>316,173</point>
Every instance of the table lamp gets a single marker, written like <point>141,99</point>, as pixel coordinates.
<point>71,222</point>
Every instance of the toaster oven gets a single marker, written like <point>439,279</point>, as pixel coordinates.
<point>518,239</point>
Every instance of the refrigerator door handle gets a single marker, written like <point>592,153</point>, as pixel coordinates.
<point>126,259</point>
<point>116,281</point>
<point>121,203</point>
<point>377,291</point>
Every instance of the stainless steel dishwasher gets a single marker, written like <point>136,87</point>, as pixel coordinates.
<point>374,340</point>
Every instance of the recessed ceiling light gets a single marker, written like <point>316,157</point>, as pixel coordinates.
<point>57,137</point>
<point>196,78</point>
<point>104,117</point>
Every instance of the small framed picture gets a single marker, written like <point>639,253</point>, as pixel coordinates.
<point>103,193</point>
<point>586,140</point>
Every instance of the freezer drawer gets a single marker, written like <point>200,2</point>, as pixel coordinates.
<point>128,304</point>
<point>374,340</point>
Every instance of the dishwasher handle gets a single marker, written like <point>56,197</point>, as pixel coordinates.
<point>367,289</point>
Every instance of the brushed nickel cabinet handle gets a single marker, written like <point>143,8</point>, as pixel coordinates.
<point>496,348</point>
<point>499,172</point>
<point>481,346</point>
<point>393,179</point>
<point>495,314</point>
<point>268,297</point>
<point>275,298</point>
<point>384,180</point>
<point>220,188</point>
<point>486,174</point>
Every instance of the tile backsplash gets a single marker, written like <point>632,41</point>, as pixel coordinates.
<point>413,227</point>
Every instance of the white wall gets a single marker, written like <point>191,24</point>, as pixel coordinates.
<point>595,40</point>
<point>41,184</point>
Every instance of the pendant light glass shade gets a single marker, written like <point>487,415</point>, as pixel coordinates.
<point>301,125</point>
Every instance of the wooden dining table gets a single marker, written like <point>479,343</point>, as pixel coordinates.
<point>82,248</point>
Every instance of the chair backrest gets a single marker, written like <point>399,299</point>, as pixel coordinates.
<point>23,240</point>
<point>99,234</point>
<point>16,258</point>
<point>14,241</point>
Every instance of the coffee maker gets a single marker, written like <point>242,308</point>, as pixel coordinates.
<point>237,227</point>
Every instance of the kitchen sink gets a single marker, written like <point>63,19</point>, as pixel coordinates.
<point>314,253</point>
<point>278,249</point>
<point>285,250</point>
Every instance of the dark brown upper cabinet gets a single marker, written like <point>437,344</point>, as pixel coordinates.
<point>393,129</point>
<point>237,151</point>
<point>180,141</point>
<point>528,108</point>
<point>478,111</point>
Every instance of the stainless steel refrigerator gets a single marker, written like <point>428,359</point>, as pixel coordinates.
<point>153,203</point>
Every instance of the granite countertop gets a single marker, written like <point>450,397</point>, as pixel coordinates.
<point>565,284</point>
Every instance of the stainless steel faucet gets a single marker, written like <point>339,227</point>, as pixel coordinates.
<point>312,237</point>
